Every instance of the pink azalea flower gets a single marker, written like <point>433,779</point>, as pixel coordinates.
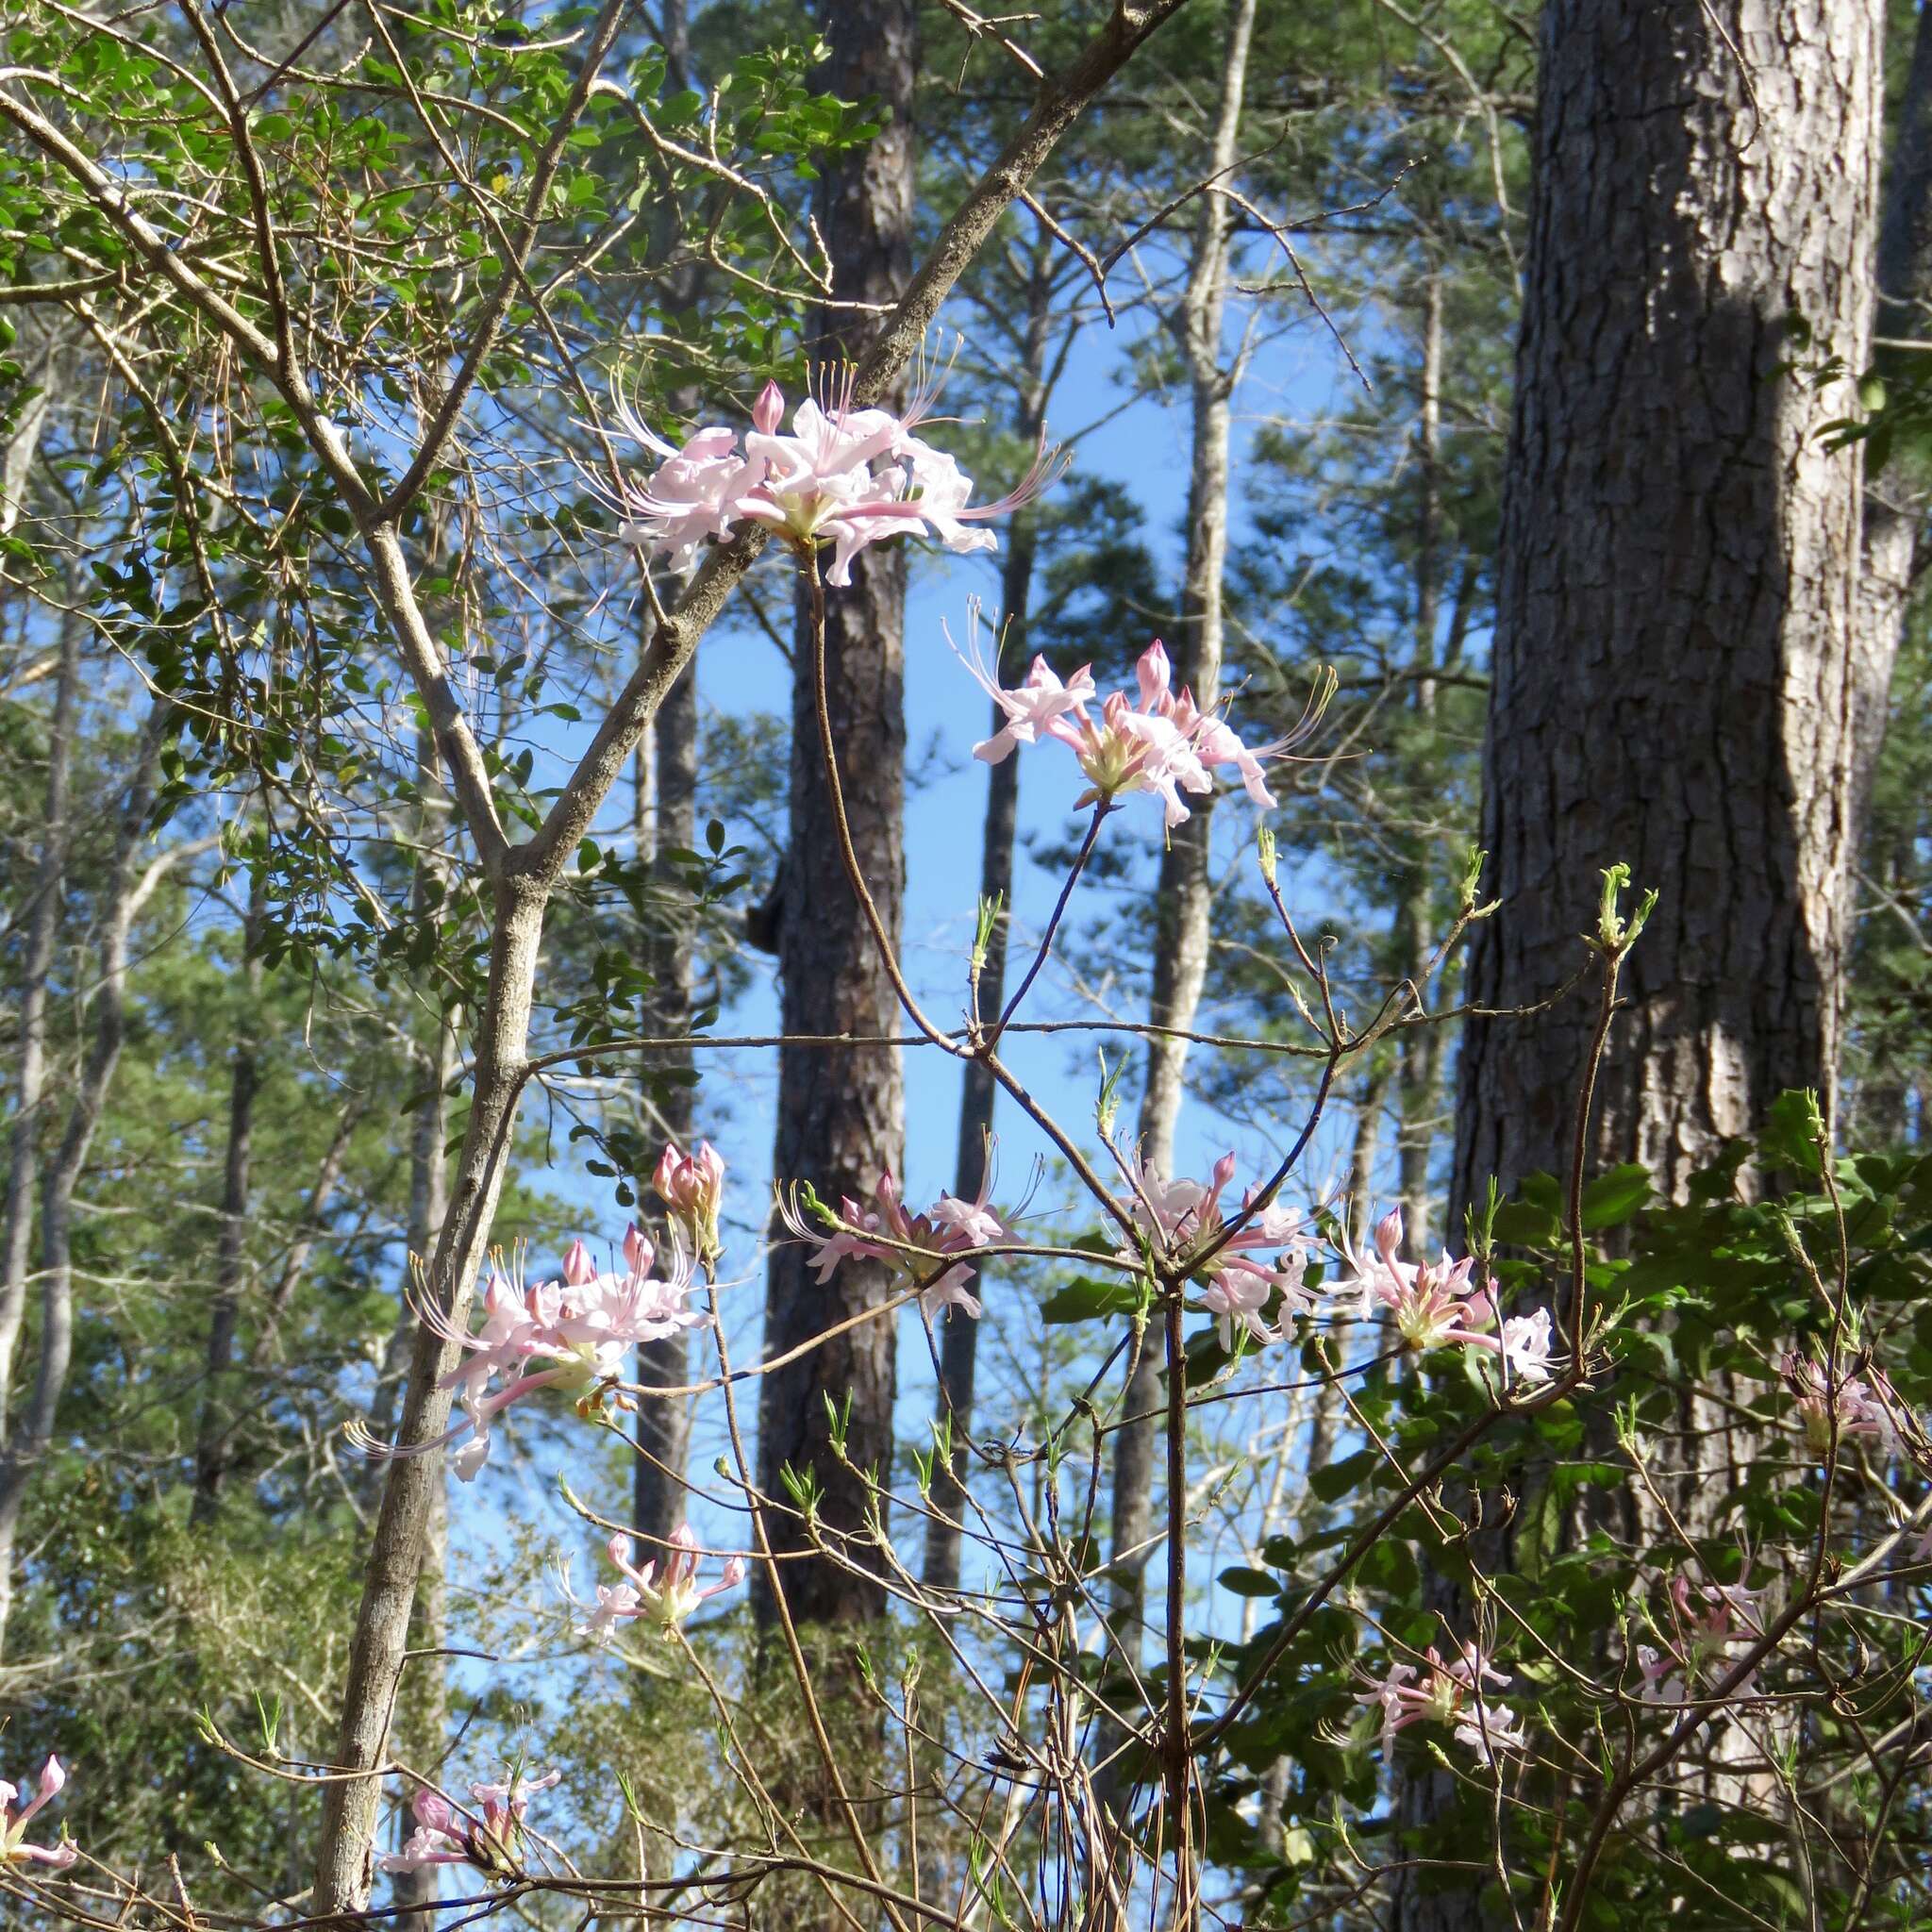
<point>13,1824</point>
<point>691,1187</point>
<point>951,1227</point>
<point>691,498</point>
<point>1446,1691</point>
<point>571,1335</point>
<point>1031,708</point>
<point>1185,1216</point>
<point>491,1839</point>
<point>1434,1306</point>
<point>666,1593</point>
<point>1862,1404</point>
<point>1710,1625</point>
<point>843,475</point>
<point>1156,740</point>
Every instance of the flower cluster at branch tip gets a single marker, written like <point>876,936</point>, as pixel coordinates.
<point>1158,742</point>
<point>14,1825</point>
<point>578,1330</point>
<point>1449,1691</point>
<point>691,1187</point>
<point>844,476</point>
<point>1433,1305</point>
<point>491,1840</point>
<point>1709,1624</point>
<point>950,1227</point>
<point>665,1593</point>
<point>1863,1404</point>
<point>1185,1216</point>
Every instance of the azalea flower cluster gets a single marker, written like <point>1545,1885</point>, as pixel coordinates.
<point>1447,1691</point>
<point>570,1335</point>
<point>1709,1624</point>
<point>666,1593</point>
<point>1159,740</point>
<point>844,476</point>
<point>1433,1305</point>
<point>14,1822</point>
<point>1863,1405</point>
<point>491,1839</point>
<point>950,1227</point>
<point>1185,1216</point>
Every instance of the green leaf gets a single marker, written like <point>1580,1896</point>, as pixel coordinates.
<point>1334,1480</point>
<point>1089,1301</point>
<point>1615,1195</point>
<point>1249,1582</point>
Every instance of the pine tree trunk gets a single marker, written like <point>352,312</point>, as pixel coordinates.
<point>842,1115</point>
<point>667,819</point>
<point>1673,681</point>
<point>214,1443</point>
<point>1674,650</point>
<point>657,1500</point>
<point>1420,1080</point>
<point>959,1340</point>
<point>1895,500</point>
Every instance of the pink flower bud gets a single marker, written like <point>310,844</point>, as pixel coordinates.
<point>769,410</point>
<point>579,1269</point>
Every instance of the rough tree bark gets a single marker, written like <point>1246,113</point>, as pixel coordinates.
<point>1185,889</point>
<point>1674,678</point>
<point>959,1340</point>
<point>841,1117</point>
<point>1675,631</point>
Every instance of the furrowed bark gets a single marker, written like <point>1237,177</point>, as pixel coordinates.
<point>842,1125</point>
<point>1673,680</point>
<point>1675,688</point>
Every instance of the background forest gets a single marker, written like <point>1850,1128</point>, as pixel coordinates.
<point>426,818</point>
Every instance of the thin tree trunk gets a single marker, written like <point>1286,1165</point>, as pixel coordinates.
<point>1895,501</point>
<point>31,1429</point>
<point>214,1450</point>
<point>1185,888</point>
<point>841,1117</point>
<point>1421,1047</point>
<point>959,1341</point>
<point>667,788</point>
<point>37,960</point>
<point>422,1713</point>
<point>345,1861</point>
<point>328,1177</point>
